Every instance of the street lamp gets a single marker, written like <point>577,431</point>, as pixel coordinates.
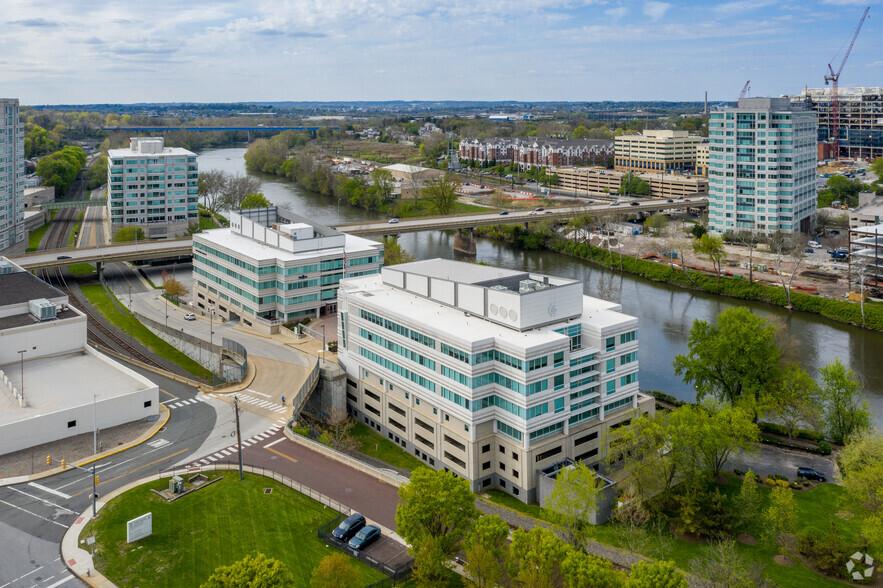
<point>21,354</point>
<point>323,341</point>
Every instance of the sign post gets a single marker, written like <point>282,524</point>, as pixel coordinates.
<point>139,528</point>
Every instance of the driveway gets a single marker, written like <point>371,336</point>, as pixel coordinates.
<point>773,460</point>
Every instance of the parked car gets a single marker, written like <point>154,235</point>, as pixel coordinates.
<point>348,528</point>
<point>815,244</point>
<point>810,474</point>
<point>809,250</point>
<point>189,317</point>
<point>393,221</point>
<point>504,212</point>
<point>365,537</point>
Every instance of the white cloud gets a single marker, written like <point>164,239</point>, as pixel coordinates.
<point>740,6</point>
<point>617,13</point>
<point>848,2</point>
<point>656,10</point>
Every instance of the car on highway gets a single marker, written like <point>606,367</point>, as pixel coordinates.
<point>348,528</point>
<point>504,212</point>
<point>63,257</point>
<point>365,537</point>
<point>634,203</point>
<point>189,317</point>
<point>393,221</point>
<point>614,204</point>
<point>539,209</point>
<point>669,200</point>
<point>532,212</point>
<point>810,474</point>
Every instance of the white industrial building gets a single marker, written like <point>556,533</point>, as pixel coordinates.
<point>12,175</point>
<point>493,374</point>
<point>51,381</point>
<point>153,187</point>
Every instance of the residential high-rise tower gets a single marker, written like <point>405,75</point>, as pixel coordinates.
<point>12,172</point>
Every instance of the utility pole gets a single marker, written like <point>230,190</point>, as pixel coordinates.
<point>238,434</point>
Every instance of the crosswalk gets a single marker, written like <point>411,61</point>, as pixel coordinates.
<point>245,398</point>
<point>230,452</point>
<point>180,403</point>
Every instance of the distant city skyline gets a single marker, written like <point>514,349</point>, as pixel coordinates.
<point>97,51</point>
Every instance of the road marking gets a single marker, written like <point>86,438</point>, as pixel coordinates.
<point>147,465</point>
<point>49,490</point>
<point>60,582</point>
<point>205,461</point>
<point>167,392</point>
<point>269,445</point>
<point>258,393</point>
<point>33,514</point>
<point>224,452</point>
<point>159,443</point>
<point>261,436</point>
<point>289,458</point>
<point>41,500</point>
<point>212,458</point>
<point>37,569</point>
<point>265,404</point>
<point>246,444</point>
<point>219,455</point>
<point>281,410</point>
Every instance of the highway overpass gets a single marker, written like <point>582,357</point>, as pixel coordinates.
<point>105,254</point>
<point>250,128</point>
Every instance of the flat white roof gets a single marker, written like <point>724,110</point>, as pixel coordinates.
<point>874,230</point>
<point>65,382</point>
<point>259,251</point>
<point>405,168</point>
<point>456,271</point>
<point>167,151</point>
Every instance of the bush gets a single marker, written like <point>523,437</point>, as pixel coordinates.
<point>738,472</point>
<point>825,550</point>
<point>824,448</point>
<point>332,346</point>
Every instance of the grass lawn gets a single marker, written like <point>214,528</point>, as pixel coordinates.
<point>422,207</point>
<point>215,526</point>
<point>126,322</point>
<point>81,269</point>
<point>36,236</point>
<point>378,447</point>
<point>816,508</point>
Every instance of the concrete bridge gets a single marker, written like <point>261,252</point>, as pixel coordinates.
<point>251,130</point>
<point>74,204</point>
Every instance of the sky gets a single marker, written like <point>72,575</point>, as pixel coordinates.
<point>124,51</point>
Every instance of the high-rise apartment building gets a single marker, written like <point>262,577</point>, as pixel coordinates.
<point>762,167</point>
<point>12,173</point>
<point>153,187</point>
<point>491,373</point>
<point>656,151</point>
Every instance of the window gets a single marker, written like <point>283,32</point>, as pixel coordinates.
<point>559,359</point>
<point>423,425</point>
<point>486,465</point>
<point>546,431</point>
<point>610,343</point>
<point>611,386</point>
<point>628,358</point>
<point>455,443</point>
<point>611,365</point>
<point>455,459</point>
<point>485,483</point>
<point>559,405</point>
<point>548,453</point>
<point>509,431</point>
<point>628,337</point>
<point>148,403</point>
<point>514,455</point>
<point>559,382</point>
<point>587,455</point>
<point>466,428</point>
<point>502,483</point>
<point>71,424</point>
<point>515,491</point>
<point>514,473</point>
<point>502,449</point>
<point>502,467</point>
<point>586,439</point>
<point>629,379</point>
<point>485,448</point>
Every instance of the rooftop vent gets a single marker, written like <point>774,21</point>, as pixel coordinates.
<point>500,287</point>
<point>5,267</point>
<point>42,309</point>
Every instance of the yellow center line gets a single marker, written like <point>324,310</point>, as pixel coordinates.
<point>132,471</point>
<point>280,454</point>
<point>167,392</point>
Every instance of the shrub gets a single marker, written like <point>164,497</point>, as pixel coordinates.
<point>825,550</point>
<point>824,448</point>
<point>332,346</point>
<point>738,472</point>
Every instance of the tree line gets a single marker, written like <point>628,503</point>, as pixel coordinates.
<point>60,169</point>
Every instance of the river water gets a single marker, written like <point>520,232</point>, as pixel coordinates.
<point>665,313</point>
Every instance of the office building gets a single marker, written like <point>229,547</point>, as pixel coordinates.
<point>12,175</point>
<point>860,122</point>
<point>272,267</point>
<point>659,151</point>
<point>702,159</point>
<point>53,385</point>
<point>153,187</point>
<point>490,373</point>
<point>596,181</point>
<point>762,167</point>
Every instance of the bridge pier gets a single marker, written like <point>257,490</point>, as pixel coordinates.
<point>99,267</point>
<point>464,242</point>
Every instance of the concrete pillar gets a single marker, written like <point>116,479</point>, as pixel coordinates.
<point>99,267</point>
<point>463,241</point>
<point>330,394</point>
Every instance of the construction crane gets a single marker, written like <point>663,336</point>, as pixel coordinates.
<point>745,89</point>
<point>834,79</point>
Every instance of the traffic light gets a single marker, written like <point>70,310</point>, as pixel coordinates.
<point>63,463</point>
<point>96,480</point>
<point>48,460</point>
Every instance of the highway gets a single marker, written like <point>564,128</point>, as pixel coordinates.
<point>106,253</point>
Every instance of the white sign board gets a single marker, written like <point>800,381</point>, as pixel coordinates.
<point>139,528</point>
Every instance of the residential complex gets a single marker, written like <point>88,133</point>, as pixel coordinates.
<point>270,267</point>
<point>53,385</point>
<point>12,174</point>
<point>490,373</point>
<point>658,151</point>
<point>762,167</point>
<point>153,187</point>
<point>596,181</point>
<point>530,151</point>
<point>860,122</point>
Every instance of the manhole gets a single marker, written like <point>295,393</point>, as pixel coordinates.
<point>268,490</point>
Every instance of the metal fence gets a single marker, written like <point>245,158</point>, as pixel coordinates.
<point>241,351</point>
<point>395,574</point>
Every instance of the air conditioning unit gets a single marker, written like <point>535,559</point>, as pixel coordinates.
<point>42,309</point>
<point>5,267</point>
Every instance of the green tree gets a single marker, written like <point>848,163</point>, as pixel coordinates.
<point>583,570</point>
<point>713,248</point>
<point>435,511</point>
<point>780,516</point>
<point>257,571</point>
<point>797,400</point>
<point>127,234</point>
<point>844,412</point>
<point>656,223</point>
<point>725,429</point>
<point>736,360</point>
<point>747,502</point>
<point>573,500</point>
<point>383,183</point>
<point>441,192</point>
<point>840,188</point>
<point>697,230</point>
<point>96,174</point>
<point>393,253</point>
<point>633,185</point>
<point>877,167</point>
<point>173,287</point>
<point>485,547</point>
<point>580,132</point>
<point>657,574</point>
<point>861,462</point>
<point>535,558</point>
<point>335,571</point>
<point>255,201</point>
<point>641,450</point>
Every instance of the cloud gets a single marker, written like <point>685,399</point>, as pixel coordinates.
<point>656,10</point>
<point>41,23</point>
<point>616,13</point>
<point>740,6</point>
<point>846,2</point>
<point>875,64</point>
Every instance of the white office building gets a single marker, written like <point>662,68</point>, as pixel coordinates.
<point>762,167</point>
<point>153,187</point>
<point>271,267</point>
<point>12,175</point>
<point>490,373</point>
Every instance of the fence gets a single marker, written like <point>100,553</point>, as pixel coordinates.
<point>238,349</point>
<point>300,399</point>
<point>395,574</point>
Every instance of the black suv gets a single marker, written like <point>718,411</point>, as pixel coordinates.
<point>810,474</point>
<point>349,527</point>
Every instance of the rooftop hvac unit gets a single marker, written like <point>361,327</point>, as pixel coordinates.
<point>499,287</point>
<point>42,309</point>
<point>5,267</point>
<point>527,286</point>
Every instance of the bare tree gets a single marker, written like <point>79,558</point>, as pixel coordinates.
<point>824,217</point>
<point>750,240</point>
<point>237,188</point>
<point>212,185</point>
<point>338,430</point>
<point>786,248</point>
<point>859,273</point>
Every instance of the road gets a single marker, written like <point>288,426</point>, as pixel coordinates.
<point>772,460</point>
<point>92,226</point>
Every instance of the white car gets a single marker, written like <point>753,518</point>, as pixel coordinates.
<point>189,317</point>
<point>814,244</point>
<point>393,221</point>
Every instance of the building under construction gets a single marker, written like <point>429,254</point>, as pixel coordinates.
<point>861,120</point>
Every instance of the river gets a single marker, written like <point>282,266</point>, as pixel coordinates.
<point>665,313</point>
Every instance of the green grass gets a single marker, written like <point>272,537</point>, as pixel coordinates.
<point>374,445</point>
<point>72,240</point>
<point>126,322</point>
<point>81,269</point>
<point>36,236</point>
<point>816,508</point>
<point>215,526</point>
<point>422,207</point>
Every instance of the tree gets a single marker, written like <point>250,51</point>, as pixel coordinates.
<point>747,501</point>
<point>173,287</point>
<point>781,515</point>
<point>722,566</point>
<point>535,558</point>
<point>713,247</point>
<point>844,413</point>
<point>797,400</point>
<point>383,183</point>
<point>338,431</point>
<point>127,234</point>
<point>442,194</point>
<point>484,547</point>
<point>335,571</point>
<point>257,571</point>
<point>858,274</point>
<point>725,429</point>
<point>861,463</point>
<point>583,570</point>
<point>656,223</point>
<point>786,248</point>
<point>435,511</point>
<point>632,184</point>
<point>736,360</point>
<point>236,189</point>
<point>657,574</point>
<point>697,230</point>
<point>393,253</point>
<point>750,240</point>
<point>212,185</point>
<point>573,500</point>
<point>642,449</point>
<point>255,201</point>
